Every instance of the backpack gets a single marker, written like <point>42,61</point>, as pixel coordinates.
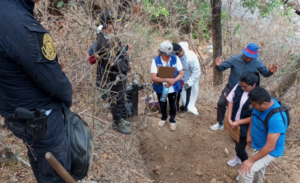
<point>81,143</point>
<point>280,109</point>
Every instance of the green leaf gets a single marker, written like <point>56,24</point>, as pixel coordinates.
<point>60,4</point>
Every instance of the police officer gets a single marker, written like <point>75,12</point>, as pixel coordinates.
<point>32,78</point>
<point>115,65</point>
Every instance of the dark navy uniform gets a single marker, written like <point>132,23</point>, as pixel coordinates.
<point>31,77</point>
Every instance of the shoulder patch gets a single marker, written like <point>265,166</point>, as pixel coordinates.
<point>48,48</point>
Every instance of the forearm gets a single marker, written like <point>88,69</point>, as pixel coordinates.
<point>219,68</point>
<point>264,71</point>
<point>159,80</point>
<point>229,109</point>
<point>194,77</point>
<point>244,121</point>
<point>262,153</point>
<point>249,129</point>
<point>179,76</point>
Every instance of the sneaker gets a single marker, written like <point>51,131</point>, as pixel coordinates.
<point>123,129</point>
<point>217,127</point>
<point>182,114</point>
<point>237,178</point>
<point>126,123</point>
<point>235,161</point>
<point>161,123</point>
<point>172,126</point>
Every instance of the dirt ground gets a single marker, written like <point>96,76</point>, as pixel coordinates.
<point>194,153</point>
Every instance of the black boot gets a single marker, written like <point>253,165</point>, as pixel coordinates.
<point>121,128</point>
<point>126,123</point>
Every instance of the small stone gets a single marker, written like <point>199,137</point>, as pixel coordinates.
<point>213,180</point>
<point>198,172</point>
<point>226,152</point>
<point>227,179</point>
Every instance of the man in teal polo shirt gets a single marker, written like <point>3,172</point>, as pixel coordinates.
<point>268,144</point>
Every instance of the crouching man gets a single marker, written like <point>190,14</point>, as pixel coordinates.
<point>267,140</point>
<point>191,73</point>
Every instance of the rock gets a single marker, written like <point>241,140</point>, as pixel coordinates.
<point>269,181</point>
<point>213,180</point>
<point>209,50</point>
<point>198,172</point>
<point>226,152</point>
<point>227,179</point>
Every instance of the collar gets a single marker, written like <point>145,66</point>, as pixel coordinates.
<point>28,5</point>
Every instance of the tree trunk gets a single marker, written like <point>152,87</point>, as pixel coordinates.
<point>216,37</point>
<point>286,82</point>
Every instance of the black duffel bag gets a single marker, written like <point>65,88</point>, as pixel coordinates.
<point>81,143</point>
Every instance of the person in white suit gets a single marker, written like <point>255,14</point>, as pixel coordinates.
<point>190,81</point>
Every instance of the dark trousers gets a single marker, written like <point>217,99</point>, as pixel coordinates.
<point>187,100</point>
<point>240,149</point>
<point>222,103</point>
<point>172,97</point>
<point>42,170</point>
<point>117,101</point>
<point>55,142</point>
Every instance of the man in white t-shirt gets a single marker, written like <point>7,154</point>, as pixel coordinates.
<point>166,57</point>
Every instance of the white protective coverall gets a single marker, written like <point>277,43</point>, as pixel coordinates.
<point>193,81</point>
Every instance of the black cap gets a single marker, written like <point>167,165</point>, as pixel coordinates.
<point>176,48</point>
<point>108,17</point>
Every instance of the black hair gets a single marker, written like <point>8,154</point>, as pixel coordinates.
<point>250,78</point>
<point>259,95</point>
<point>176,48</point>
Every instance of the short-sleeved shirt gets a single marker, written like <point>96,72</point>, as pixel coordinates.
<point>154,69</point>
<point>242,102</point>
<point>275,125</point>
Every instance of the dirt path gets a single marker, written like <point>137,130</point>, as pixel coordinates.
<point>194,153</point>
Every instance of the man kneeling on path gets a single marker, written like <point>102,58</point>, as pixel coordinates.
<point>191,73</point>
<point>268,144</point>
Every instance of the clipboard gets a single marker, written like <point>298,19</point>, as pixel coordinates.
<point>235,134</point>
<point>166,72</point>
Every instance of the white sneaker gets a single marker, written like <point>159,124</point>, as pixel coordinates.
<point>235,161</point>
<point>172,126</point>
<point>237,178</point>
<point>161,123</point>
<point>217,127</point>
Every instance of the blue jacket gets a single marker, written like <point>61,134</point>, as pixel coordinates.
<point>158,87</point>
<point>30,75</point>
<point>239,66</point>
<point>246,110</point>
